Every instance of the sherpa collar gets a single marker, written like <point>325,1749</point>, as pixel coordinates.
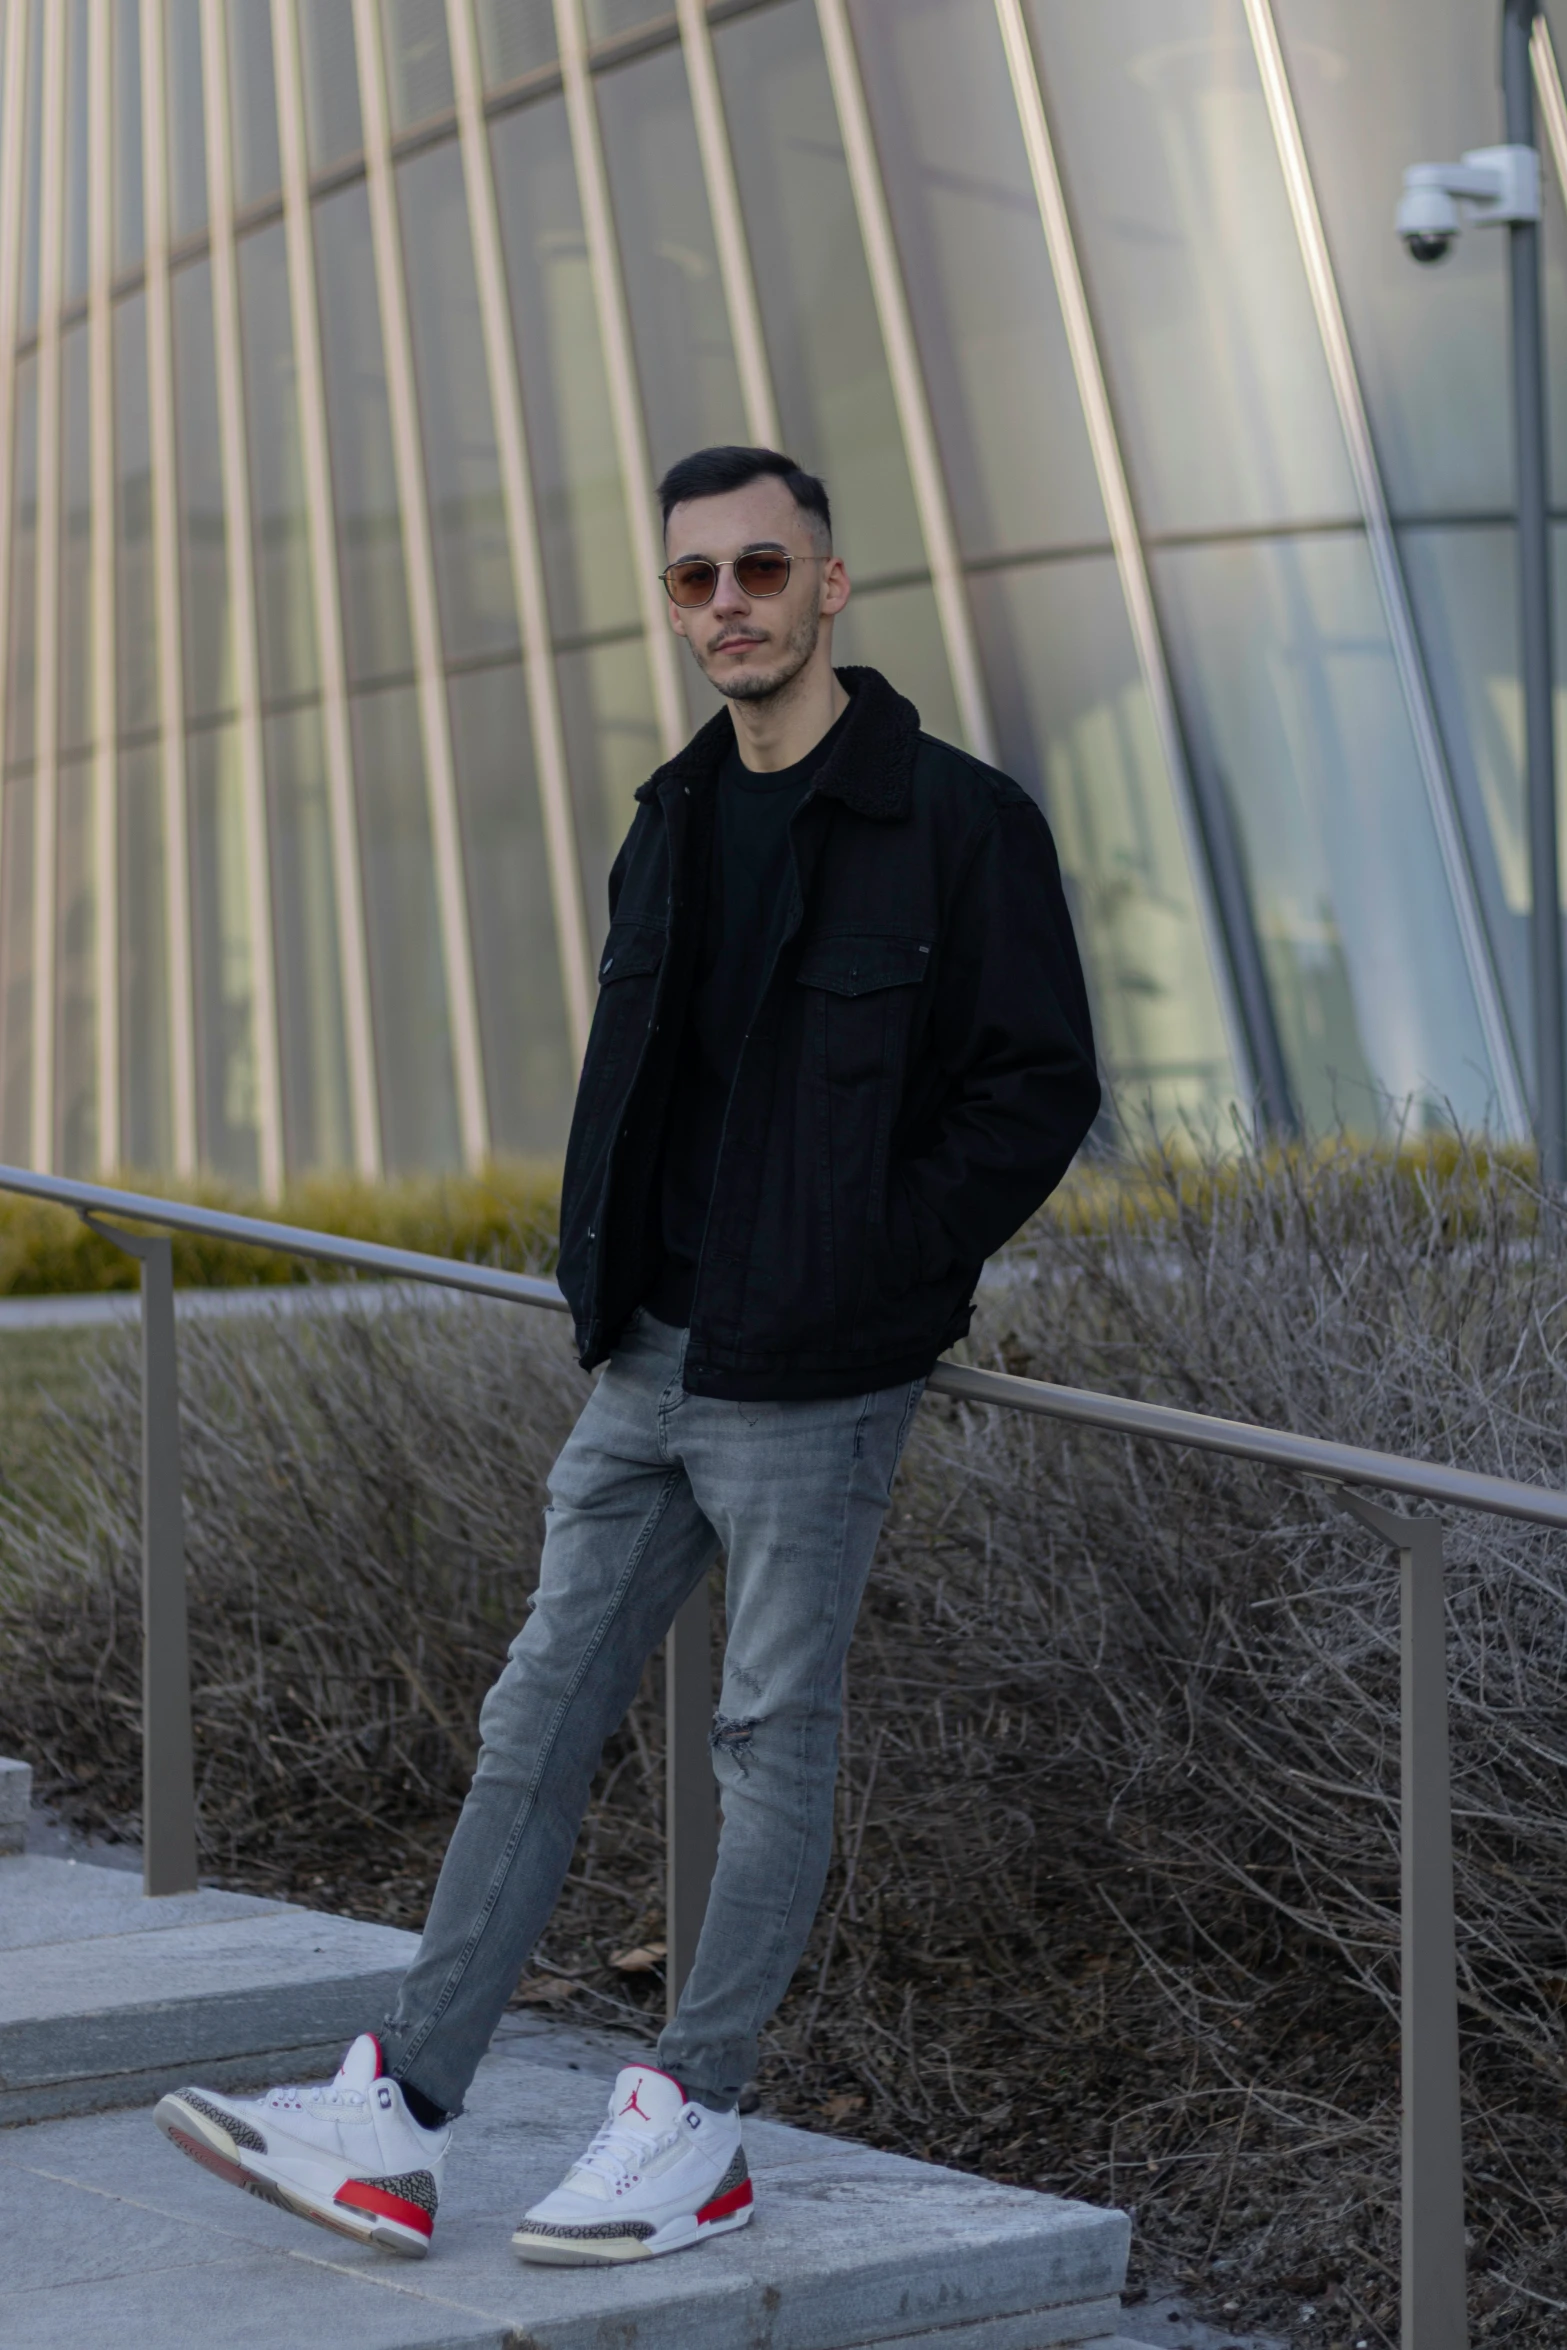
<point>868,769</point>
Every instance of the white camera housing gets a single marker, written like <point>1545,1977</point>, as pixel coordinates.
<point>1491,186</point>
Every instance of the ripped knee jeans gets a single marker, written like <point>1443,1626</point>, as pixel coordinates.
<point>652,1484</point>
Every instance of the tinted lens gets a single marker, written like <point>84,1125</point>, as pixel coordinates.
<point>691,583</point>
<point>762,574</point>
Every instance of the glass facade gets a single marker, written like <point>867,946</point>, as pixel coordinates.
<point>343,338</point>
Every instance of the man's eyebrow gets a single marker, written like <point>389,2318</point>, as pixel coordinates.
<point>751,547</point>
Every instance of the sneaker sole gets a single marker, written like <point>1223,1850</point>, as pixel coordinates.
<point>614,2251</point>
<point>196,2135</point>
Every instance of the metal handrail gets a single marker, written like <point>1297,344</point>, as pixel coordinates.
<point>1433,2316</point>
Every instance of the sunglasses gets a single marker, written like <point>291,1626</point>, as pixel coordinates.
<point>763,572</point>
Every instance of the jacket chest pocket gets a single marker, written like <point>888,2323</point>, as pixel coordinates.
<point>628,982</point>
<point>866,992</point>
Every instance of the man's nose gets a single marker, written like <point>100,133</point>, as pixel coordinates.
<point>729,595</point>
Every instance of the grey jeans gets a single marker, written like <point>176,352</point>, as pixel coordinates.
<point>652,1482</point>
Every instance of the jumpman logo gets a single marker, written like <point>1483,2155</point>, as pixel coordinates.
<point>631,2105</point>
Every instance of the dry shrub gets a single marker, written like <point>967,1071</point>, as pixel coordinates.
<point>1115,1902</point>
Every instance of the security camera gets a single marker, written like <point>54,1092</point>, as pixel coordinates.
<point>1490,186</point>
<point>1428,222</point>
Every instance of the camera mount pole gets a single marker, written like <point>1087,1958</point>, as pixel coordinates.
<point>1534,615</point>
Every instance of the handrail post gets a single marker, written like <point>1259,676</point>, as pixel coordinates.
<point>168,1779</point>
<point>1435,2295</point>
<point>690,1805</point>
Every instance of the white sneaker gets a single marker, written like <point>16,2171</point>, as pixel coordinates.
<point>347,2154</point>
<point>661,2174</point>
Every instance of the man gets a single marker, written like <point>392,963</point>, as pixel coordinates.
<point>841,1052</point>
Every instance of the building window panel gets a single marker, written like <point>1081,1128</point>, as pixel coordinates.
<point>522,1014</point>
<point>309,973</point>
<point>515,37</point>
<point>135,619</point>
<point>74,256</point>
<point>187,136</point>
<point>253,103</point>
<point>1076,728</point>
<point>76,984</point>
<point>897,631</point>
<point>378,638</point>
<point>129,224</point>
<point>583,531</point>
<point>467,515</point>
<point>612,742</point>
<point>1294,709</point>
<point>16,969</point>
<point>76,684</point>
<point>418,60</point>
<point>32,163</point>
<point>209,634</point>
<point>226,1091</point>
<point>603,19</point>
<point>285,614</point>
<point>1209,338</point>
<point>407,974</point>
<point>331,76</point>
<point>679,320</point>
<point>828,362</point>
<point>21,654</point>
<point>993,348</point>
<point>146,1097</point>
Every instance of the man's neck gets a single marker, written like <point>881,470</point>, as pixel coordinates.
<point>783,729</point>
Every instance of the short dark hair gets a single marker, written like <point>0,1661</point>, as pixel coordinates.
<point>710,473</point>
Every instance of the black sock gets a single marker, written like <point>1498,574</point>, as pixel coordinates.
<point>425,2111</point>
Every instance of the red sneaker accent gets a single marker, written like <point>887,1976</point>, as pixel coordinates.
<point>722,2205</point>
<point>361,2196</point>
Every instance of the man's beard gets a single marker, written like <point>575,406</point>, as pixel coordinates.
<point>761,686</point>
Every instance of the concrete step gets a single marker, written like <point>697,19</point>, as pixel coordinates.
<point>112,2235</point>
<point>108,1998</point>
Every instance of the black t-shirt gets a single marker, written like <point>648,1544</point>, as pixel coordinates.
<point>744,903</point>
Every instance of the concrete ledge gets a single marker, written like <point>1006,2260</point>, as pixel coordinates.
<point>111,2235</point>
<point>107,1997</point>
<point>16,1797</point>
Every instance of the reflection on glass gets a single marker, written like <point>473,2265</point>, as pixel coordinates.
<point>413,1047</point>
<point>22,652</point>
<point>896,631</point>
<point>314,1056</point>
<point>74,254</point>
<point>993,348</point>
<point>1376,89</point>
<point>1465,588</point>
<point>31,167</point>
<point>209,641</point>
<point>16,970</point>
<point>606,701</point>
<point>146,1102</point>
<point>581,506</point>
<point>187,134</point>
<point>330,67</point>
<point>129,239</point>
<point>222,968</point>
<point>135,605</point>
<point>605,18</point>
<point>76,1007</point>
<point>364,479</point>
<point>75,706</point>
<point>1294,708</point>
<point>467,517</point>
<point>515,37</point>
<point>679,319</point>
<point>829,367</point>
<point>285,615</point>
<point>522,1016</point>
<point>1184,229</point>
<point>418,60</point>
<point>1075,728</point>
<point>252,103</point>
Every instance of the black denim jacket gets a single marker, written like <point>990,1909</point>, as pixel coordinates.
<point>917,1078</point>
